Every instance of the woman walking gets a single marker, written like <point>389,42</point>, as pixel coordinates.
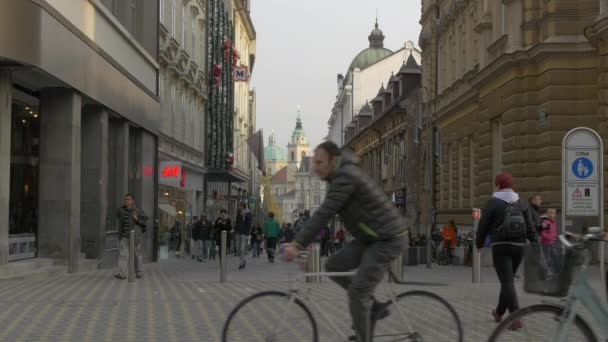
<point>271,231</point>
<point>506,219</point>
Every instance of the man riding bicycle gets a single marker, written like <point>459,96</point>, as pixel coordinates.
<point>377,227</point>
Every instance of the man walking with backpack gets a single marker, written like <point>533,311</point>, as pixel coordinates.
<point>506,219</point>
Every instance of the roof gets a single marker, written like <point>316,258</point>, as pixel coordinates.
<point>306,165</point>
<point>366,109</point>
<point>374,53</point>
<point>273,152</point>
<point>280,177</point>
<point>410,67</point>
<point>299,131</point>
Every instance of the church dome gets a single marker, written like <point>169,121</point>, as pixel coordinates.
<point>272,152</point>
<point>374,53</point>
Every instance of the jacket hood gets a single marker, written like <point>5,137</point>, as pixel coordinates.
<point>506,195</point>
<point>346,158</point>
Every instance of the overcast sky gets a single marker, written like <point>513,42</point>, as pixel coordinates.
<point>303,45</point>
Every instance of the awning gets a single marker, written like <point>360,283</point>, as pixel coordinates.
<point>167,208</point>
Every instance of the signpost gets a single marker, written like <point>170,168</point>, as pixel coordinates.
<point>476,262</point>
<point>582,179</point>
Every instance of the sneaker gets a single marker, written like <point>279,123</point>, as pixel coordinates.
<point>380,310</point>
<point>497,317</point>
<point>120,276</point>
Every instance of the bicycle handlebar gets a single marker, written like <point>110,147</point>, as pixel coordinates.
<point>595,234</point>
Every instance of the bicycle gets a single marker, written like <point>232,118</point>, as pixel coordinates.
<point>562,317</point>
<point>254,319</point>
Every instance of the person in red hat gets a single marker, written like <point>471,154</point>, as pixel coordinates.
<point>506,220</point>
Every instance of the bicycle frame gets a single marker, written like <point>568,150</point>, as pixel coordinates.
<point>583,292</point>
<point>294,293</point>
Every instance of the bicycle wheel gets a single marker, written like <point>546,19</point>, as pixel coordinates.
<point>539,323</point>
<point>419,316</point>
<point>266,317</point>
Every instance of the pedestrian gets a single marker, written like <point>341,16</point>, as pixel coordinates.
<point>197,243</point>
<point>271,231</point>
<point>548,239</point>
<point>299,223</point>
<point>536,201</point>
<point>176,237</point>
<point>206,235</point>
<point>507,220</point>
<point>188,237</point>
<point>129,218</point>
<point>243,229</point>
<point>378,228</point>
<point>340,236</point>
<point>256,241</point>
<point>222,224</point>
<point>448,235</point>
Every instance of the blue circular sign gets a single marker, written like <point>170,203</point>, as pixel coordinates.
<point>582,168</point>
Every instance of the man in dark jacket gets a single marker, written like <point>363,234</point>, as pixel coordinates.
<point>222,224</point>
<point>129,218</point>
<point>377,227</point>
<point>243,228</point>
<point>206,235</point>
<point>536,201</point>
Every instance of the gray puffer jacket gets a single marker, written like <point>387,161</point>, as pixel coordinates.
<point>365,210</point>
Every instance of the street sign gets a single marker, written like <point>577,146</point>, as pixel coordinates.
<point>582,179</point>
<point>582,199</point>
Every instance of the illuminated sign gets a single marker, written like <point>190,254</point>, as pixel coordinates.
<point>170,173</point>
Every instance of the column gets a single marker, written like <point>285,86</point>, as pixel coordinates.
<point>59,194</point>
<point>5,160</point>
<point>94,193</point>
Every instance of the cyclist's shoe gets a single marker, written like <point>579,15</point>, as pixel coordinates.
<point>516,325</point>
<point>497,317</point>
<point>380,310</point>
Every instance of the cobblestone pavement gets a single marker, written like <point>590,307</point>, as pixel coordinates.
<point>182,300</point>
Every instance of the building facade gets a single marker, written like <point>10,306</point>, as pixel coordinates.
<point>183,94</point>
<point>504,81</point>
<point>297,148</point>
<point>365,75</point>
<point>384,136</point>
<point>76,136</point>
<point>309,189</point>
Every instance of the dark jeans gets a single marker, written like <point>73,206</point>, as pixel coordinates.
<point>507,259</point>
<point>372,261</point>
<point>271,244</point>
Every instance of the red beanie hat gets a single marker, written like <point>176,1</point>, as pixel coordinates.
<point>504,180</point>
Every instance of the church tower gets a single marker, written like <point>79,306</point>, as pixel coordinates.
<point>298,147</point>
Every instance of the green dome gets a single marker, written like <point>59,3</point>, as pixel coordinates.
<point>272,152</point>
<point>374,53</point>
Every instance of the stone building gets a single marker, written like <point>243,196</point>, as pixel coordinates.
<point>384,135</point>
<point>309,189</point>
<point>275,156</point>
<point>183,94</point>
<point>79,119</point>
<point>365,74</point>
<point>503,81</point>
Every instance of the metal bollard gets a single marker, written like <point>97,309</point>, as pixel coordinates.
<point>397,267</point>
<point>314,263</point>
<point>223,261</point>
<point>476,264</point>
<point>132,256</point>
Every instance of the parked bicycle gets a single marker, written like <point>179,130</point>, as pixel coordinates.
<point>273,316</point>
<point>558,322</point>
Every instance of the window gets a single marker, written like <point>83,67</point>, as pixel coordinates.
<point>193,28</point>
<point>161,9</point>
<point>174,17</point>
<point>184,22</point>
<point>134,19</point>
<point>161,94</point>
<point>173,110</point>
<point>317,186</point>
<point>183,130</point>
<point>496,146</point>
<point>293,156</point>
<point>303,155</point>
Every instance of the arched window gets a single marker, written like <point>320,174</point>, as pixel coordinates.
<point>303,154</point>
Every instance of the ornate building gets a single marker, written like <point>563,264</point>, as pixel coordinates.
<point>504,81</point>
<point>183,94</point>
<point>365,74</point>
<point>275,156</point>
<point>298,147</point>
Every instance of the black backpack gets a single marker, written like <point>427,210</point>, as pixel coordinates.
<point>513,226</point>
